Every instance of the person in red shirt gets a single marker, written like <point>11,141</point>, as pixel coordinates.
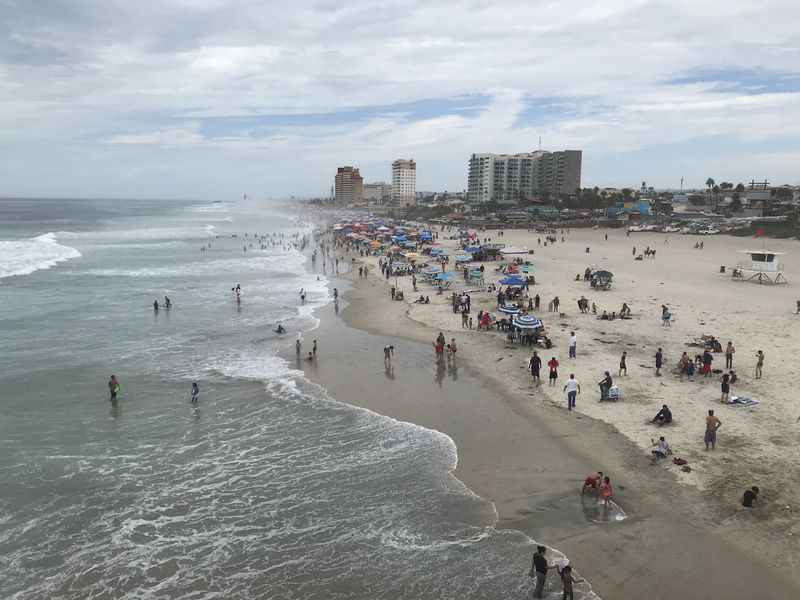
<point>553,364</point>
<point>592,482</point>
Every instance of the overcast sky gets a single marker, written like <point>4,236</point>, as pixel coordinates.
<point>214,98</point>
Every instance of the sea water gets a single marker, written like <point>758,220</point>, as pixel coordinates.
<point>269,488</point>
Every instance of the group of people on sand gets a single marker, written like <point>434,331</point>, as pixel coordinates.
<point>440,345</point>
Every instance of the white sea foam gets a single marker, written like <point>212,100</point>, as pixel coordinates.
<point>23,257</point>
<point>254,366</point>
<point>139,234</point>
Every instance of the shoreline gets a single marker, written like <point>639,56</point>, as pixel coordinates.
<point>667,531</point>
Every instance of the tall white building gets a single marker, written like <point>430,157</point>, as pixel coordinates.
<point>404,182</point>
<point>509,178</point>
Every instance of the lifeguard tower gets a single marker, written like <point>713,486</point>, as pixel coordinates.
<point>763,267</point>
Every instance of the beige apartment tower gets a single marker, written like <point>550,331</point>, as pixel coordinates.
<point>510,178</point>
<point>404,182</point>
<point>349,186</point>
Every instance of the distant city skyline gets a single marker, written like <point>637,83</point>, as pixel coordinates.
<point>212,99</point>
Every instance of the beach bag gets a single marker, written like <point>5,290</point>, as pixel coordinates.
<point>679,461</point>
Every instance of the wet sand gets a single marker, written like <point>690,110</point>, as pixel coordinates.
<point>529,457</point>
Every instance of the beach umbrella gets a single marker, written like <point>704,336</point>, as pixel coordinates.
<point>463,257</point>
<point>512,280</point>
<point>472,249</point>
<point>527,322</point>
<point>509,310</point>
<point>444,276</point>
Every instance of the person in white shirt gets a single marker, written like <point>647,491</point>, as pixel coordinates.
<point>573,344</point>
<point>573,388</point>
<point>661,449</point>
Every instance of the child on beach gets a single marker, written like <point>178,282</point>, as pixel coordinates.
<point>566,582</point>
<point>606,491</point>
<point>553,364</point>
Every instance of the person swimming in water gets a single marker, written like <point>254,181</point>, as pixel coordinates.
<point>195,392</point>
<point>155,305</point>
<point>280,329</point>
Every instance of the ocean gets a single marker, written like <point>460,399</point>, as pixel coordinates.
<point>269,488</point>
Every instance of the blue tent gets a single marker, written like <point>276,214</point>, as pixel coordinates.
<point>512,280</point>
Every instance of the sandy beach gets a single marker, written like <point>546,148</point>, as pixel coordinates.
<point>687,534</point>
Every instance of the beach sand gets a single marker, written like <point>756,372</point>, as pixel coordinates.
<point>686,535</point>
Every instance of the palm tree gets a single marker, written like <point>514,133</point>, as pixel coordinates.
<point>709,186</point>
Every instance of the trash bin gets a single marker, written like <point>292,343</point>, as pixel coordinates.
<point>722,268</point>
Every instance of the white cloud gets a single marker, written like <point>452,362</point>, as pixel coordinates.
<point>119,77</point>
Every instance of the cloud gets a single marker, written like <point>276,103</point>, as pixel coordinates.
<point>164,137</point>
<point>223,88</point>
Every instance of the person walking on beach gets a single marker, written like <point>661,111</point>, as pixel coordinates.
<point>113,388</point>
<point>623,364</point>
<point>553,365</point>
<point>573,388</point>
<point>573,344</point>
<point>536,301</point>
<point>659,362</point>
<point>539,569</point>
<point>729,350</point>
<point>535,365</point>
<point>556,302</point>
<point>712,424</point>
<point>388,352</point>
<point>759,363</point>
<point>314,349</point>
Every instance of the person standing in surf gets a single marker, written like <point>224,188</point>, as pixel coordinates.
<point>113,388</point>
<point>195,392</point>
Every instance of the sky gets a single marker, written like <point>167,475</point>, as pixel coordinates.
<point>215,98</point>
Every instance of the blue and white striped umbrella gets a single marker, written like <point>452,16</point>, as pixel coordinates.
<point>527,322</point>
<point>508,310</point>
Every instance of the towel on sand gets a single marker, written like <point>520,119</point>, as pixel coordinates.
<point>741,401</point>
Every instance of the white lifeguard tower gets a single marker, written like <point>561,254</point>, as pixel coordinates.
<point>763,267</point>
